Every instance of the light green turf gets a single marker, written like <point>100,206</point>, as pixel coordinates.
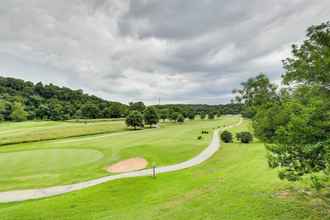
<point>235,184</point>
<point>170,144</point>
<point>46,130</point>
<point>41,162</point>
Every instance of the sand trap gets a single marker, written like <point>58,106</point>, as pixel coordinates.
<point>132,164</point>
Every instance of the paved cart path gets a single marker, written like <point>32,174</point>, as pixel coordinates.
<point>22,195</point>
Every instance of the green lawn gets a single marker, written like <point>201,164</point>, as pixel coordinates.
<point>65,161</point>
<point>30,131</point>
<point>235,184</point>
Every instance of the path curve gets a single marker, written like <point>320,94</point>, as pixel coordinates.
<point>22,195</point>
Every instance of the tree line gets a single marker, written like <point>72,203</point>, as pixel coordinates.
<point>294,119</point>
<point>23,100</point>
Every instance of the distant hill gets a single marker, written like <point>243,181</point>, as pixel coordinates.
<point>21,100</point>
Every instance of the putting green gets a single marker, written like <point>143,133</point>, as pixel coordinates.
<point>45,161</point>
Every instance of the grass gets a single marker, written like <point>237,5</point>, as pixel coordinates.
<point>171,144</point>
<point>31,131</point>
<point>235,184</point>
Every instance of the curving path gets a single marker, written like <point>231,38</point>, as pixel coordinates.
<point>22,195</point>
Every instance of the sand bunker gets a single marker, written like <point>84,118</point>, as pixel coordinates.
<point>131,164</point>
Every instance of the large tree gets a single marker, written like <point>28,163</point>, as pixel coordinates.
<point>135,119</point>
<point>255,93</point>
<point>295,122</point>
<point>150,116</point>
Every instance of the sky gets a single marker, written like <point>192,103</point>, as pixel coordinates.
<point>178,51</point>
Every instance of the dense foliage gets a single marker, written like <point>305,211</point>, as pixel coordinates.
<point>244,137</point>
<point>226,137</point>
<point>135,119</point>
<point>295,121</point>
<point>21,100</point>
<point>150,116</point>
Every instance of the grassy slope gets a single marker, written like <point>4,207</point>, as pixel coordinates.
<point>235,184</point>
<point>46,130</point>
<point>171,144</point>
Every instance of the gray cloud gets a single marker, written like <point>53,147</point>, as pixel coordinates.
<point>193,51</point>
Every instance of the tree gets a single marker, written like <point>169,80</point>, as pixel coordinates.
<point>2,109</point>
<point>163,114</point>
<point>180,118</point>
<point>203,115</point>
<point>150,116</point>
<point>115,110</point>
<point>295,122</point>
<point>211,115</point>
<point>135,119</point>
<point>310,62</point>
<point>244,137</point>
<point>18,113</point>
<point>137,106</point>
<point>174,115</point>
<point>90,110</point>
<point>191,115</point>
<point>256,92</point>
<point>227,137</point>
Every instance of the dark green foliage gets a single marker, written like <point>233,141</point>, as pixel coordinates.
<point>115,110</point>
<point>90,110</point>
<point>180,118</point>
<point>18,113</point>
<point>199,138</point>
<point>164,114</point>
<point>137,106</point>
<point>255,93</point>
<point>150,116</point>
<point>244,137</point>
<point>211,115</point>
<point>135,120</point>
<point>191,115</point>
<point>227,137</point>
<point>295,122</point>
<point>187,109</point>
<point>51,102</point>
<point>310,62</point>
<point>203,115</point>
<point>173,116</point>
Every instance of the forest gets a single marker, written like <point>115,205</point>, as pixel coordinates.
<point>23,100</point>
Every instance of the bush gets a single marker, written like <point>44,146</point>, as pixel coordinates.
<point>199,137</point>
<point>227,137</point>
<point>244,137</point>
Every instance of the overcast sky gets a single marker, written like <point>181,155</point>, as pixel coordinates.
<point>183,51</point>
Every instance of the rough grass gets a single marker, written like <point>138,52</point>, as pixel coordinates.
<point>170,144</point>
<point>32,131</point>
<point>235,184</point>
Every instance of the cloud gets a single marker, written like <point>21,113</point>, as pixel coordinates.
<point>128,50</point>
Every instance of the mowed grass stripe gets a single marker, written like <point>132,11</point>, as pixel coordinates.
<point>31,131</point>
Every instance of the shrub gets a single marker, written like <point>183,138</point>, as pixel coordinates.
<point>245,137</point>
<point>227,137</point>
<point>199,137</point>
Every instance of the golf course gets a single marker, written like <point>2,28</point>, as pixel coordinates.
<point>235,183</point>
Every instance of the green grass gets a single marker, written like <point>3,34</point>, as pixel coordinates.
<point>170,144</point>
<point>235,184</point>
<point>30,131</point>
